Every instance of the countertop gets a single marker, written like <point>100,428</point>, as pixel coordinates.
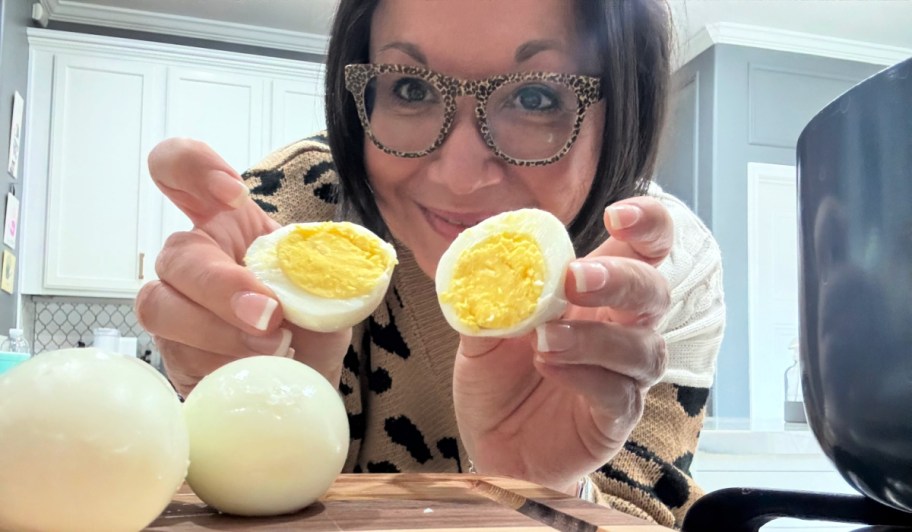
<point>429,502</point>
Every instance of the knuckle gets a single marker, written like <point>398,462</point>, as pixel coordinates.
<point>147,302</point>
<point>654,361</point>
<point>639,287</point>
<point>662,296</point>
<point>167,348</point>
<point>658,359</point>
<point>171,253</point>
<point>630,391</point>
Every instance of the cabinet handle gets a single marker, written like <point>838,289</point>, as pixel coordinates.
<point>142,269</point>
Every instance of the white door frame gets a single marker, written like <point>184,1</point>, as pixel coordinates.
<point>757,175</point>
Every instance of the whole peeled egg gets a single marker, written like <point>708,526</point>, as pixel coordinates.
<point>89,440</point>
<point>327,275</point>
<point>505,275</point>
<point>268,436</point>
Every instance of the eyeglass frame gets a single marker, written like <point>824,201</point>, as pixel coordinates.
<point>586,88</point>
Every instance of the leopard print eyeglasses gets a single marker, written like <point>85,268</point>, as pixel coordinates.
<point>527,119</point>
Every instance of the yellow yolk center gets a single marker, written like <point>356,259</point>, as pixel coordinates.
<point>497,282</point>
<point>332,260</point>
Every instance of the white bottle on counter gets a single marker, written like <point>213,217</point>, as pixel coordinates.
<point>794,397</point>
<point>14,350</point>
<point>16,343</point>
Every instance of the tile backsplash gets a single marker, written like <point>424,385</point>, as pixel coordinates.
<point>56,322</point>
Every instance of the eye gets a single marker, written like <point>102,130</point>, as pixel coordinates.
<point>413,90</point>
<point>536,98</point>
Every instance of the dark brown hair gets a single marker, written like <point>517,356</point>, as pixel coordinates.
<point>631,39</point>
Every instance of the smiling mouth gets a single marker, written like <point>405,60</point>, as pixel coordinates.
<point>460,223</point>
<point>462,220</point>
<point>450,224</point>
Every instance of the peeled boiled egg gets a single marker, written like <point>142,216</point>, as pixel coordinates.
<point>327,275</point>
<point>268,436</point>
<point>505,276</point>
<point>89,440</point>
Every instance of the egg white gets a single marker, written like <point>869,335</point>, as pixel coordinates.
<point>268,436</point>
<point>557,253</point>
<point>307,310</point>
<point>78,456</point>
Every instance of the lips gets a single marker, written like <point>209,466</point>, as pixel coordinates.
<point>449,224</point>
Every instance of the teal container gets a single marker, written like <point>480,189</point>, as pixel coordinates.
<point>10,360</point>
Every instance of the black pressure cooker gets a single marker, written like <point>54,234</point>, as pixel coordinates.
<point>855,257</point>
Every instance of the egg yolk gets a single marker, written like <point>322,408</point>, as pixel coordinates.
<point>332,260</point>
<point>497,282</point>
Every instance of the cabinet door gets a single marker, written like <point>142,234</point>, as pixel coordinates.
<point>100,222</point>
<point>297,110</point>
<point>224,110</point>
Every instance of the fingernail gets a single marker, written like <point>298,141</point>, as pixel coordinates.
<point>623,216</point>
<point>290,353</point>
<point>254,309</point>
<point>229,190</point>
<point>589,275</point>
<point>276,343</point>
<point>554,337</point>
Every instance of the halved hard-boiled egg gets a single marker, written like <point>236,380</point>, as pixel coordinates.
<point>328,276</point>
<point>505,276</point>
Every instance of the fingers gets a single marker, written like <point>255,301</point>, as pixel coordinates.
<point>195,178</point>
<point>192,264</point>
<point>640,228</point>
<point>189,330</point>
<point>612,378</point>
<point>638,353</point>
<point>187,365</point>
<point>324,352</point>
<point>170,316</point>
<point>614,400</point>
<point>635,292</point>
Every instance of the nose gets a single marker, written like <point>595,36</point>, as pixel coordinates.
<point>463,163</point>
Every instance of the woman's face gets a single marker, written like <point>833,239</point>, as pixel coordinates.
<point>427,201</point>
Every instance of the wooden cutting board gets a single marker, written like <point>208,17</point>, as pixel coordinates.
<point>429,502</point>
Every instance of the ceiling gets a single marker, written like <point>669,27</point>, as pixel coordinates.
<point>885,25</point>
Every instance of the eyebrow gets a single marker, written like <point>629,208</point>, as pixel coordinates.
<point>523,53</point>
<point>407,48</point>
<point>529,49</point>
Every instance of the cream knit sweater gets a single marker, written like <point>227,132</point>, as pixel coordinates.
<point>397,377</point>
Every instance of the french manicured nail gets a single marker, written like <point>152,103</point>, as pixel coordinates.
<point>229,190</point>
<point>623,216</point>
<point>276,343</point>
<point>254,309</point>
<point>554,337</point>
<point>589,275</point>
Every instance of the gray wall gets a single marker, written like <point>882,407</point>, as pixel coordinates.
<point>15,16</point>
<point>734,105</point>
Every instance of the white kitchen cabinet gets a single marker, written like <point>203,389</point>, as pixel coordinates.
<point>267,114</point>
<point>101,216</point>
<point>296,106</point>
<point>93,221</point>
<point>223,109</point>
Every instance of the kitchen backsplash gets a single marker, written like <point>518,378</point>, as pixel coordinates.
<point>55,322</point>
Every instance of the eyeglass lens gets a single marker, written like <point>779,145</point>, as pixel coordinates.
<point>528,120</point>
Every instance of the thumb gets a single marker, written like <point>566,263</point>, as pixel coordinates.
<point>478,346</point>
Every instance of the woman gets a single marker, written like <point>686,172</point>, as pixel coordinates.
<point>413,157</point>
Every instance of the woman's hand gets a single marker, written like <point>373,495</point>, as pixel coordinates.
<point>206,309</point>
<point>557,404</point>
